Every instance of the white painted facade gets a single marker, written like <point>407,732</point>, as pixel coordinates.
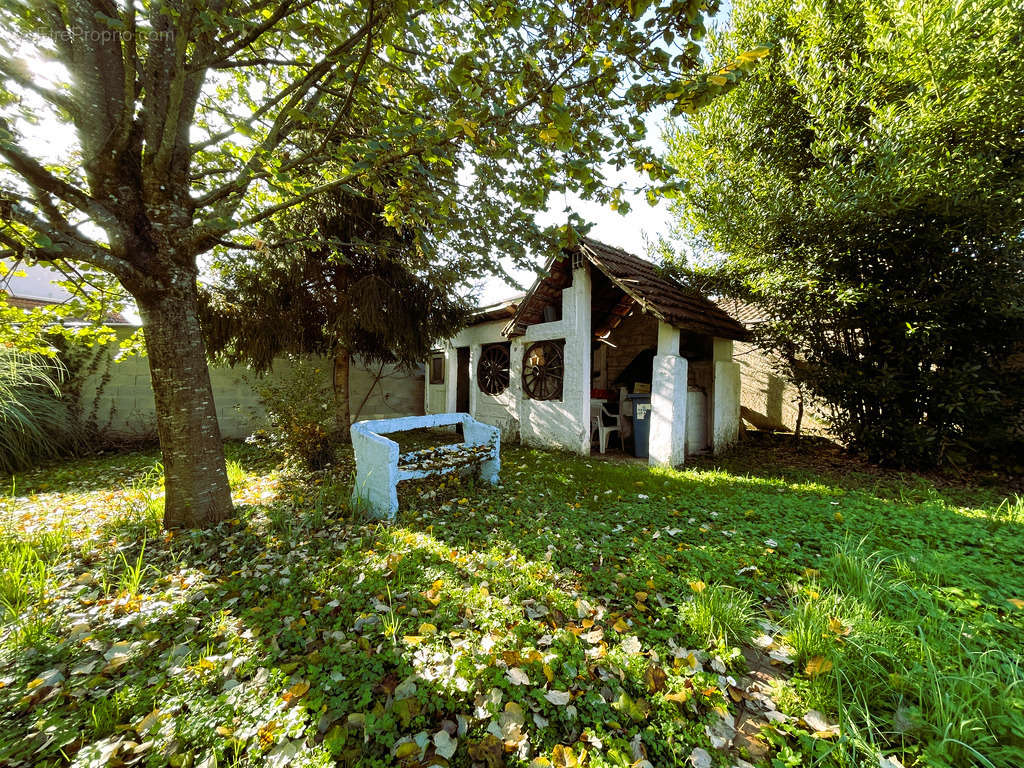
<point>676,387</point>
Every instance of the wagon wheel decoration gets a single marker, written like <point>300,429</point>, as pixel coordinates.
<point>543,369</point>
<point>492,370</point>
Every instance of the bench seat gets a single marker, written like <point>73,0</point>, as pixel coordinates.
<point>380,467</point>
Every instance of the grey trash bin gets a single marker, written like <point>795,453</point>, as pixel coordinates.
<point>641,424</point>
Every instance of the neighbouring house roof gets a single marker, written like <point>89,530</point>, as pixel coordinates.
<point>500,311</point>
<point>641,282</point>
<point>743,311</point>
<point>24,302</point>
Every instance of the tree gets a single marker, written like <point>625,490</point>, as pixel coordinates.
<point>340,288</point>
<point>866,188</point>
<point>185,119</point>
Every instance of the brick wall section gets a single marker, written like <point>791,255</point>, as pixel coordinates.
<point>637,332</point>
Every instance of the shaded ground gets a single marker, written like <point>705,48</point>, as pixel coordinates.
<point>586,612</point>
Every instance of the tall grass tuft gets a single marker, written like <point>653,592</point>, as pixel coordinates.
<point>22,576</point>
<point>34,423</point>
<point>718,614</point>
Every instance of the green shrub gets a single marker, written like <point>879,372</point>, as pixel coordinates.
<point>34,422</point>
<point>300,410</point>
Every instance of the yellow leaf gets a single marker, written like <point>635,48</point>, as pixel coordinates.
<point>147,722</point>
<point>698,586</point>
<point>413,639</point>
<point>1016,602</point>
<point>680,697</point>
<point>755,53</point>
<point>641,596</point>
<point>427,629</point>
<point>35,683</point>
<point>549,673</point>
<point>819,665</point>
<point>836,627</point>
<point>408,749</point>
<point>563,757</point>
<point>223,730</point>
<point>296,692</point>
<point>620,626</point>
<point>718,80</point>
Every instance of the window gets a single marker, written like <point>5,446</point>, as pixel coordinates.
<point>437,369</point>
<point>543,370</point>
<point>492,374</point>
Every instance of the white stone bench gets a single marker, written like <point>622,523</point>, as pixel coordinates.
<point>380,467</point>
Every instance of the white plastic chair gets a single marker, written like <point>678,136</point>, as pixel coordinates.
<point>598,414</point>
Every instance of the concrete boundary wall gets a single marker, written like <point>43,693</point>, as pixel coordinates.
<point>120,394</point>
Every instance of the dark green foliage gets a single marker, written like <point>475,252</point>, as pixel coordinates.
<point>866,189</point>
<point>330,275</point>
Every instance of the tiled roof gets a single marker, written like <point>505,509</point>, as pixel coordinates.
<point>743,311</point>
<point>500,311</point>
<point>21,302</point>
<point>655,292</point>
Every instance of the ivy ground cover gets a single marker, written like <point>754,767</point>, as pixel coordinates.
<point>764,609</point>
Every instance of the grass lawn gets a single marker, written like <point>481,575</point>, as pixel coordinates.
<point>771,609</point>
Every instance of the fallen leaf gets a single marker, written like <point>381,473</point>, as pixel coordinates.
<point>819,665</point>
<point>488,751</point>
<point>444,744</point>
<point>700,758</point>
<point>655,678</point>
<point>558,698</point>
<point>563,757</point>
<point>296,692</point>
<point>517,676</point>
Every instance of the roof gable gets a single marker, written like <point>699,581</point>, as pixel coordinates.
<point>642,281</point>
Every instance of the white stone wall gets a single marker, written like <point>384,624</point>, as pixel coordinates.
<point>125,405</point>
<point>561,424</point>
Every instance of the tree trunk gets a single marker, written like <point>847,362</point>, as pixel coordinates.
<point>342,407</point>
<point>196,487</point>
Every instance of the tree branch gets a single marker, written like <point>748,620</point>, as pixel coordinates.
<point>18,71</point>
<point>41,179</point>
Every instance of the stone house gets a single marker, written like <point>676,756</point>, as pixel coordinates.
<point>600,324</point>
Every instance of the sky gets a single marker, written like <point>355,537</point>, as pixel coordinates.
<point>630,232</point>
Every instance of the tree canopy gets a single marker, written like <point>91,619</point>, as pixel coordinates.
<point>190,125</point>
<point>866,189</point>
<point>330,278</point>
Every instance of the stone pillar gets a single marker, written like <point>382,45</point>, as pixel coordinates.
<point>726,420</point>
<point>576,385</point>
<point>474,389</point>
<point>451,374</point>
<point>668,401</point>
